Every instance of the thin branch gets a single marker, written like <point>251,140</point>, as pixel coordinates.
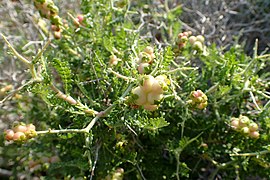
<point>252,154</point>
<point>50,131</point>
<point>15,91</point>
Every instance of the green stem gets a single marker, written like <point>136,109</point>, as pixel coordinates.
<point>252,154</point>
<point>62,131</point>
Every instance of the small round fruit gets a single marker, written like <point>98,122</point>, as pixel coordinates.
<point>57,34</point>
<point>141,99</point>
<point>253,126</point>
<point>9,133</point>
<point>192,40</point>
<point>113,60</point>
<point>245,130</point>
<point>198,45</point>
<point>200,38</point>
<point>157,87</point>
<point>147,83</point>
<point>235,123</point>
<point>20,128</point>
<point>184,39</point>
<point>243,121</point>
<point>31,127</point>
<point>152,97</point>
<point>202,105</point>
<point>254,134</point>
<point>149,50</point>
<point>80,18</point>
<point>19,136</point>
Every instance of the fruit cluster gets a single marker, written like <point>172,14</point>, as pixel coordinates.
<point>197,42</point>
<point>183,39</point>
<point>150,92</point>
<point>146,58</point>
<point>198,99</point>
<point>21,132</point>
<point>246,126</point>
<point>49,10</point>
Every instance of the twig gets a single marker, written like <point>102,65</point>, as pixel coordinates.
<point>252,154</point>
<point>15,91</point>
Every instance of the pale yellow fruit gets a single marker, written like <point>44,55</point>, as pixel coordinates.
<point>152,97</point>
<point>200,38</point>
<point>147,83</point>
<point>141,96</point>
